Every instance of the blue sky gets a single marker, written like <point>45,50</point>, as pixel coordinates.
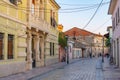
<point>80,19</point>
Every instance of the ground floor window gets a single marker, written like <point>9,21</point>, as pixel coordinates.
<point>10,46</point>
<point>1,46</point>
<point>52,50</point>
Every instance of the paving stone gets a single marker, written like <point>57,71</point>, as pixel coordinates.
<point>87,69</point>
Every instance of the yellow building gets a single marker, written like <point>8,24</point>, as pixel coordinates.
<point>52,47</point>
<point>28,35</point>
<point>42,35</point>
<point>12,36</point>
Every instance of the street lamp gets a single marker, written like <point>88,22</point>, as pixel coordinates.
<point>67,49</point>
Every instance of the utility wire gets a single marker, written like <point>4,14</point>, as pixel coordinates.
<point>61,11</point>
<point>79,10</point>
<point>93,15</point>
<point>83,7</point>
<point>102,25</point>
<point>79,4</point>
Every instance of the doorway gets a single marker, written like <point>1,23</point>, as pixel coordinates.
<point>117,52</point>
<point>33,52</point>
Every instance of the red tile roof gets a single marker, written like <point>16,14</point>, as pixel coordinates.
<point>79,32</point>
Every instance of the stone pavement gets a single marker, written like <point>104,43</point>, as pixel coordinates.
<point>86,69</point>
<point>37,71</point>
<point>111,72</point>
<point>80,69</point>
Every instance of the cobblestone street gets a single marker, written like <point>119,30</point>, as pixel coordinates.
<point>86,69</point>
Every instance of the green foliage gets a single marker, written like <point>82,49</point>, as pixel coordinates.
<point>62,40</point>
<point>107,43</point>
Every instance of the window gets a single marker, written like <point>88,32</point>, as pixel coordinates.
<point>1,46</point>
<point>41,2</point>
<point>51,17</point>
<point>10,46</point>
<point>41,9</point>
<point>40,52</point>
<point>116,19</point>
<point>51,49</point>
<point>13,1</point>
<point>118,50</point>
<point>53,14</point>
<point>118,15</point>
<point>33,7</point>
<point>113,24</point>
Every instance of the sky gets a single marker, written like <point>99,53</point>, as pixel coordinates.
<point>71,16</point>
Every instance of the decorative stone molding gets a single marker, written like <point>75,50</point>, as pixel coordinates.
<point>12,18</point>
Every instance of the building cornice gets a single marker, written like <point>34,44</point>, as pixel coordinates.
<point>54,2</point>
<point>11,18</point>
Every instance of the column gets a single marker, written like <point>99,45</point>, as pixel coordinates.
<point>37,52</point>
<point>15,47</point>
<point>42,51</point>
<point>29,52</point>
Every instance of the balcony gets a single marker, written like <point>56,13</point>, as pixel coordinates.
<point>39,24</point>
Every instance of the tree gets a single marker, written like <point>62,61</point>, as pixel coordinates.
<point>107,43</point>
<point>62,40</point>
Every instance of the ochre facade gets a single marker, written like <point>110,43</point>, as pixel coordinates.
<point>12,37</point>
<point>28,35</point>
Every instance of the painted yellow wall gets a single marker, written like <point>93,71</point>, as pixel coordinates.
<point>53,33</point>
<point>13,21</point>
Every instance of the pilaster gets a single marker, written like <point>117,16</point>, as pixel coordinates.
<point>29,52</point>
<point>5,45</point>
<point>37,43</point>
<point>42,51</point>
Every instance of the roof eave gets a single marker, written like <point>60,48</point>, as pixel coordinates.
<point>56,4</point>
<point>112,6</point>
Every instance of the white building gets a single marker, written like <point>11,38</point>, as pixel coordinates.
<point>114,10</point>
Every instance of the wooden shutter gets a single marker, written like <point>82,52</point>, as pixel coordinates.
<point>1,46</point>
<point>10,46</point>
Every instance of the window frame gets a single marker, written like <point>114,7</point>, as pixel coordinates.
<point>2,54</point>
<point>10,55</point>
<point>13,2</point>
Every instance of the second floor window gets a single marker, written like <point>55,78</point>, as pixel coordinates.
<point>13,1</point>
<point>33,7</point>
<point>52,19</point>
